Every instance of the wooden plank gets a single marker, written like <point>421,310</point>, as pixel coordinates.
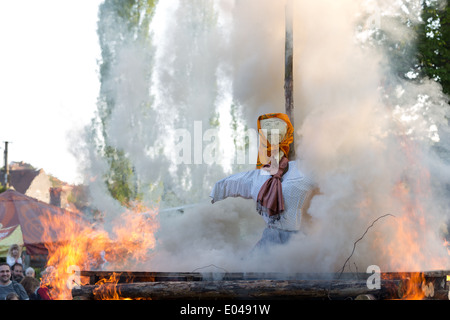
<point>141,276</point>
<point>145,276</point>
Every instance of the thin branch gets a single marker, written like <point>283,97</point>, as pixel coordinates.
<point>354,245</point>
<point>211,265</point>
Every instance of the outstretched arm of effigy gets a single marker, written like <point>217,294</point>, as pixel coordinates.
<point>236,185</point>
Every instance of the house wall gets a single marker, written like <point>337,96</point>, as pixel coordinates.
<point>59,196</point>
<point>40,187</point>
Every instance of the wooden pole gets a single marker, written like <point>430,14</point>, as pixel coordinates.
<point>288,72</point>
<point>6,176</point>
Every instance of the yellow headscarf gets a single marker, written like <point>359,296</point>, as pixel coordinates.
<point>265,148</point>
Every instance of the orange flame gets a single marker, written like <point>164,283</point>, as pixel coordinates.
<point>407,248</point>
<point>80,245</point>
<point>107,288</point>
<point>415,287</point>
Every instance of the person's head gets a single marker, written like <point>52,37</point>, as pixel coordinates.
<point>17,270</point>
<point>30,284</point>
<point>14,251</point>
<point>30,272</point>
<point>12,296</point>
<point>5,273</point>
<point>48,275</point>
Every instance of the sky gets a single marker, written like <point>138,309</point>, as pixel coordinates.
<point>48,80</point>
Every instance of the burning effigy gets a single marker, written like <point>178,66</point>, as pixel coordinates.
<point>277,186</point>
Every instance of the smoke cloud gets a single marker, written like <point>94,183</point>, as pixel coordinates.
<point>366,136</point>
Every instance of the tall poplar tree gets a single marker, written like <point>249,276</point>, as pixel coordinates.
<point>122,24</point>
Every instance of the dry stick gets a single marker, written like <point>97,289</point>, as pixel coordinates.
<point>343,267</point>
<point>354,245</point>
<point>211,265</point>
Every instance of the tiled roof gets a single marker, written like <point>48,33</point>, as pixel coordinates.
<point>22,179</point>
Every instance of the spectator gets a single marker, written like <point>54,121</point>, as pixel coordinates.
<point>48,276</point>
<point>14,255</point>
<point>12,296</point>
<point>17,272</point>
<point>30,272</point>
<point>8,286</point>
<point>33,288</point>
<point>43,293</point>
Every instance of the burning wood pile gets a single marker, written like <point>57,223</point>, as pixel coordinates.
<point>131,239</point>
<point>87,248</point>
<point>261,286</point>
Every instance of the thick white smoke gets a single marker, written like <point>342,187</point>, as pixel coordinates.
<point>364,135</point>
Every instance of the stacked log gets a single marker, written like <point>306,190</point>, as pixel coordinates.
<point>203,286</point>
<point>432,285</point>
<point>243,289</point>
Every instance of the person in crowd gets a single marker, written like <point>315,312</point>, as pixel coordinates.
<point>48,276</point>
<point>14,255</point>
<point>34,289</point>
<point>8,286</point>
<point>30,272</point>
<point>12,296</point>
<point>17,272</point>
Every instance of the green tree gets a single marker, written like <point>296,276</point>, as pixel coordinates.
<point>123,25</point>
<point>433,43</point>
<point>423,50</point>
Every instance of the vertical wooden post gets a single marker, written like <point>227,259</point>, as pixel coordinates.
<point>6,177</point>
<point>288,72</point>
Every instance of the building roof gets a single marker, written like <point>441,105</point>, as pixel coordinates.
<point>22,179</point>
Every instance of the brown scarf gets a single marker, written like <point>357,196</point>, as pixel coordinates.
<point>270,195</point>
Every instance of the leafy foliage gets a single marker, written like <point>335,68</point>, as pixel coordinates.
<point>433,43</point>
<point>122,23</point>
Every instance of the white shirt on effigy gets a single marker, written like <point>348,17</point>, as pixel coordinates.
<point>295,188</point>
